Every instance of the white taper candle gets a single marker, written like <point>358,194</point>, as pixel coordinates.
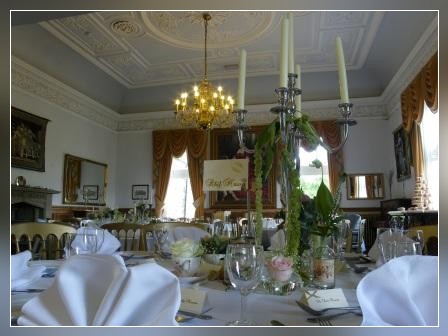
<point>242,80</point>
<point>284,54</point>
<point>291,43</point>
<point>342,72</point>
<point>298,98</point>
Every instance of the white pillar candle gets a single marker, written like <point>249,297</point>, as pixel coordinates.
<point>342,72</point>
<point>298,98</point>
<point>242,80</point>
<point>284,55</point>
<point>291,43</point>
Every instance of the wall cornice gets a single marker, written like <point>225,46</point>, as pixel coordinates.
<point>35,82</point>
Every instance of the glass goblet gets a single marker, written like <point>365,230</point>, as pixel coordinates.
<point>244,263</point>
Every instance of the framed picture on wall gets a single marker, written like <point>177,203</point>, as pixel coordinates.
<point>27,140</point>
<point>90,192</point>
<point>224,145</point>
<point>403,153</point>
<point>140,192</point>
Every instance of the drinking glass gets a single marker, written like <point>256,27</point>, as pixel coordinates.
<point>341,238</point>
<point>407,247</point>
<point>161,236</point>
<point>244,263</point>
<point>80,243</point>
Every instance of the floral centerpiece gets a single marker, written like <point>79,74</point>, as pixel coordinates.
<point>280,268</point>
<point>214,248</point>
<point>186,254</point>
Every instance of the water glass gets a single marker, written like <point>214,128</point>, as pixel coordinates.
<point>244,264</point>
<point>80,243</point>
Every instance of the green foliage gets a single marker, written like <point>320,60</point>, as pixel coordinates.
<point>214,244</point>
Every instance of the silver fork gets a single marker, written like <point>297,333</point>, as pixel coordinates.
<point>324,322</point>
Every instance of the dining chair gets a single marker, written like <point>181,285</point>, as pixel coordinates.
<point>44,240</point>
<point>131,236</point>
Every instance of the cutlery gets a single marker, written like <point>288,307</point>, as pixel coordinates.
<point>312,311</point>
<point>277,323</point>
<point>202,316</point>
<point>324,323</point>
<point>29,290</point>
<point>329,317</point>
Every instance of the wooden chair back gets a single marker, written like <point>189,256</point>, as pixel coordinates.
<point>131,236</point>
<point>44,240</point>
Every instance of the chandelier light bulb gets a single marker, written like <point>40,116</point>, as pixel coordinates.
<point>195,88</point>
<point>219,88</point>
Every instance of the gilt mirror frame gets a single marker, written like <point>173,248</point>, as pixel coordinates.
<point>375,195</point>
<point>72,182</point>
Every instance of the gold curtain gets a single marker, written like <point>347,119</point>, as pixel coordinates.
<point>331,134</point>
<point>423,88</point>
<point>197,149</point>
<point>167,144</point>
<point>370,186</point>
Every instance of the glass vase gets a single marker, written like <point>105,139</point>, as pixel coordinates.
<point>323,262</point>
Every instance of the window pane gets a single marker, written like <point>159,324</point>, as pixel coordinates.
<point>430,140</point>
<point>179,198</point>
<point>310,177</point>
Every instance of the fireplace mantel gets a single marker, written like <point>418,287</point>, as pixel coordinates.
<point>35,196</point>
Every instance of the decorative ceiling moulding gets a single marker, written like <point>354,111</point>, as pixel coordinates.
<point>33,81</point>
<point>426,46</point>
<point>184,29</point>
<point>115,42</point>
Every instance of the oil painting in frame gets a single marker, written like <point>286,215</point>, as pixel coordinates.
<point>224,145</point>
<point>27,140</point>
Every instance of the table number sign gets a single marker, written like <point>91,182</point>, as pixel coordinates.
<point>193,300</point>
<point>328,298</point>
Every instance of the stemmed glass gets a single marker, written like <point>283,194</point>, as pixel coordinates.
<point>80,243</point>
<point>161,236</point>
<point>244,265</point>
<point>341,238</point>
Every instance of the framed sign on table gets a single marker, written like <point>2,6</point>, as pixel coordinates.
<point>27,140</point>
<point>224,145</point>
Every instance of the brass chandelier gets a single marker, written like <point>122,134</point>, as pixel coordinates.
<point>208,107</point>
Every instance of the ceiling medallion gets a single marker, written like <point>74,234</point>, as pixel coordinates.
<point>125,27</point>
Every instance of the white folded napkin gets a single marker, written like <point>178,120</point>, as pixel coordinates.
<point>402,292</point>
<point>193,233</point>
<point>278,240</point>
<point>99,290</point>
<point>21,273</point>
<point>106,242</point>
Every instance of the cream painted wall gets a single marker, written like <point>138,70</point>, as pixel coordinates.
<point>71,134</point>
<point>134,164</point>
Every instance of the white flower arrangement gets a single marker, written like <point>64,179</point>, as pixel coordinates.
<point>186,248</point>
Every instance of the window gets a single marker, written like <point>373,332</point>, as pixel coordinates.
<point>430,141</point>
<point>311,177</point>
<point>179,198</point>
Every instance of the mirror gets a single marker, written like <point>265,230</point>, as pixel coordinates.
<point>84,181</point>
<point>365,186</point>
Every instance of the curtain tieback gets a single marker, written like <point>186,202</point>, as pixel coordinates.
<point>198,201</point>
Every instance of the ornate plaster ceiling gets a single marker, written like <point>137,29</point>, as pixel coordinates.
<point>144,49</point>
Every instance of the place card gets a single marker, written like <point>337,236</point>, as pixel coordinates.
<point>193,300</point>
<point>327,298</point>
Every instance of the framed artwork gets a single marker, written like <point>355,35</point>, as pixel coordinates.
<point>403,153</point>
<point>27,140</point>
<point>140,191</point>
<point>224,145</point>
<point>90,192</point>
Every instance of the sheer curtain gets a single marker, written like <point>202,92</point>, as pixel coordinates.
<point>430,140</point>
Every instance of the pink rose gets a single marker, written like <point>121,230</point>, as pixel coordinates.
<point>280,268</point>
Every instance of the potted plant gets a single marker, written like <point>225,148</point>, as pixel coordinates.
<point>214,248</point>
<point>186,254</point>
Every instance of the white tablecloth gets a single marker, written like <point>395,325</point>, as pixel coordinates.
<point>261,307</point>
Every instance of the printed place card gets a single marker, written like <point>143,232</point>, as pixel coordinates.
<point>327,298</point>
<point>193,300</point>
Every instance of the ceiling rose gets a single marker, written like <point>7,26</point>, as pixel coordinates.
<point>227,29</point>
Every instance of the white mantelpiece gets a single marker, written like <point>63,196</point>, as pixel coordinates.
<point>35,196</point>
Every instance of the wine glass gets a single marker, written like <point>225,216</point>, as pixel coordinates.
<point>244,263</point>
<point>80,243</point>
<point>161,236</point>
